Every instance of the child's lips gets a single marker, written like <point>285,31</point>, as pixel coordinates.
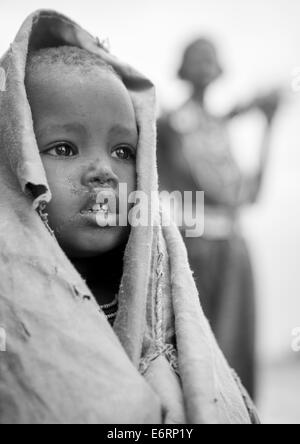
<point>100,219</point>
<point>103,201</point>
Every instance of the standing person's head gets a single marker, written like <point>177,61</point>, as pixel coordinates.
<point>200,64</point>
<point>86,130</point>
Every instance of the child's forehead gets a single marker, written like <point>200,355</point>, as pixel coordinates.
<point>56,78</point>
<point>86,97</point>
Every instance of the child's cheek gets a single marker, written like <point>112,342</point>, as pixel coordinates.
<point>63,206</point>
<point>129,177</point>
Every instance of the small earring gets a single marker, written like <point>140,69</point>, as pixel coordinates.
<point>44,216</point>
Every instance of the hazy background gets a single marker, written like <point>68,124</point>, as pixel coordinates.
<point>259,42</point>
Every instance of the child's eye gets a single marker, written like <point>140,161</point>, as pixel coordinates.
<point>124,152</point>
<point>62,150</point>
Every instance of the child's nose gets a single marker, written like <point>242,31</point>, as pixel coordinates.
<point>99,173</point>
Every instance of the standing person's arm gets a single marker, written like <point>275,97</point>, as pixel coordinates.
<point>256,181</point>
<point>252,185</point>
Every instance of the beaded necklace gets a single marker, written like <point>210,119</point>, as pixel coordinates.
<point>110,310</point>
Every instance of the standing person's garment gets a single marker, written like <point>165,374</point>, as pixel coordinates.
<point>64,362</point>
<point>194,154</point>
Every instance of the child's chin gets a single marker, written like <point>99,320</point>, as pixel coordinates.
<point>91,245</point>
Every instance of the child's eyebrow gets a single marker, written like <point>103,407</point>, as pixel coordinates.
<point>75,127</point>
<point>124,131</point>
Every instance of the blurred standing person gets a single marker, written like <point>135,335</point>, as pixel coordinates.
<point>194,155</point>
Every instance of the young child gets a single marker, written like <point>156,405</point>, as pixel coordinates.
<point>75,124</point>
<point>87,135</point>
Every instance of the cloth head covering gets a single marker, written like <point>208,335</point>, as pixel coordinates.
<point>64,363</point>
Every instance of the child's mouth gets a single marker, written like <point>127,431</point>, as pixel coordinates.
<point>103,208</point>
<point>103,200</point>
<point>97,208</point>
<point>102,217</point>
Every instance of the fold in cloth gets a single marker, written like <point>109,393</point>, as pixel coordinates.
<point>64,362</point>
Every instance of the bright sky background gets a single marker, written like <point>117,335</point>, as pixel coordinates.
<point>259,41</point>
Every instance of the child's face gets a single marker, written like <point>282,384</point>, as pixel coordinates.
<point>87,135</point>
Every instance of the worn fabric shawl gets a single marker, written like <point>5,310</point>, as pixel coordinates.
<point>64,363</point>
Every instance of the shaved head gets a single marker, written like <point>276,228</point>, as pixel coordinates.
<point>65,58</point>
